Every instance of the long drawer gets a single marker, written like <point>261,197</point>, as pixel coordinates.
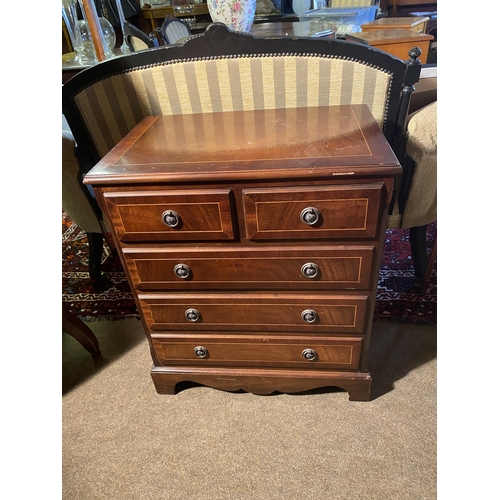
<point>311,313</point>
<point>277,352</point>
<point>318,268</point>
<point>337,211</point>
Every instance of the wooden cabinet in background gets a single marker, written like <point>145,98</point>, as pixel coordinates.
<point>412,23</point>
<point>403,7</point>
<point>395,41</point>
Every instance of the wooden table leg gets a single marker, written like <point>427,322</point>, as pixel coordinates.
<point>81,332</point>
<point>394,8</point>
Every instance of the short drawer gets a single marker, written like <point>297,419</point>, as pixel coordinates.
<point>340,211</point>
<point>312,313</point>
<point>198,215</point>
<point>278,352</point>
<point>308,268</point>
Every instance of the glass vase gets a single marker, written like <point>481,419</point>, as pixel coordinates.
<point>70,16</point>
<point>109,36</point>
<point>108,52</point>
<point>124,47</point>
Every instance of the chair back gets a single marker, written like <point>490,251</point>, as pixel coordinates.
<point>136,39</point>
<point>222,70</point>
<point>173,29</point>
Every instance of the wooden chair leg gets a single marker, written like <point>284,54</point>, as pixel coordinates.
<point>418,242</point>
<point>81,332</point>
<point>96,245</point>
<point>394,8</point>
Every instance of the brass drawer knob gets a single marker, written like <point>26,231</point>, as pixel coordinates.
<point>182,271</point>
<point>200,351</point>
<point>309,354</point>
<point>310,216</point>
<point>192,315</point>
<point>310,270</point>
<point>310,316</point>
<point>171,218</point>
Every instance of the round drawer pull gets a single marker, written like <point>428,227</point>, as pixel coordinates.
<point>310,270</point>
<point>200,351</point>
<point>309,316</point>
<point>171,218</point>
<point>310,216</point>
<point>192,315</point>
<point>182,271</point>
<point>309,354</point>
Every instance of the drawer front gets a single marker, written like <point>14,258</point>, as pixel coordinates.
<point>171,215</point>
<point>311,313</point>
<point>343,211</point>
<point>287,352</point>
<point>314,268</point>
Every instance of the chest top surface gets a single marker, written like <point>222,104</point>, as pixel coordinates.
<point>307,142</point>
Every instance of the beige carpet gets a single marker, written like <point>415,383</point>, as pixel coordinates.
<point>121,440</point>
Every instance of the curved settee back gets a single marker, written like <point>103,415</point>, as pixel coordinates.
<point>111,107</point>
<point>226,71</point>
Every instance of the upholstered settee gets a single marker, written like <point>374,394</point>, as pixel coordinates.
<point>415,203</point>
<point>224,71</point>
<point>74,199</point>
<point>78,201</point>
<point>421,203</point>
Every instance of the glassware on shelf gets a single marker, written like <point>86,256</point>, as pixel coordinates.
<point>184,8</point>
<point>96,24</point>
<point>300,6</point>
<point>108,32</point>
<point>124,48</point>
<point>70,16</point>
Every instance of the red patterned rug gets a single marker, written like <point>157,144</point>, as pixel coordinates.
<point>398,297</point>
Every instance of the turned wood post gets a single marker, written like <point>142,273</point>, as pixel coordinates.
<point>412,75</point>
<point>95,28</point>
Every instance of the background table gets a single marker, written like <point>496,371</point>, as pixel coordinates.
<point>396,42</point>
<point>417,24</point>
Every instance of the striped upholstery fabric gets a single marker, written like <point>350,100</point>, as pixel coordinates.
<point>138,44</point>
<point>113,106</point>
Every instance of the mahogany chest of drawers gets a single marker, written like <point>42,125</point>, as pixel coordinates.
<point>252,244</point>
